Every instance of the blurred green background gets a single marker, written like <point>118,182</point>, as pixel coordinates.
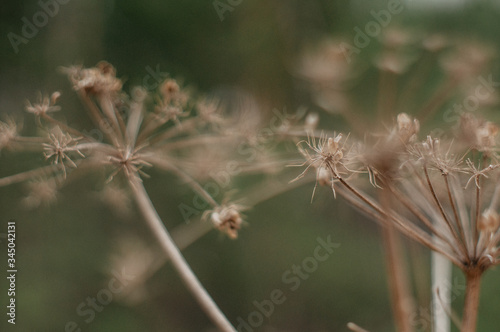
<point>64,250</point>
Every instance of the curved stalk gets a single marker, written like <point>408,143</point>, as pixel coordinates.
<point>170,249</point>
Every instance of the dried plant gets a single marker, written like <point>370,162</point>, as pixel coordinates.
<point>441,192</point>
<point>134,140</point>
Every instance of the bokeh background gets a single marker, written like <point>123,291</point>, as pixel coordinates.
<point>64,250</point>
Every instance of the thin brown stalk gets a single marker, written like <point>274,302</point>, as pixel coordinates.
<point>406,227</point>
<point>420,216</point>
<point>151,123</point>
<point>478,215</point>
<point>196,141</point>
<point>455,212</point>
<point>164,164</point>
<point>186,234</point>
<point>184,126</point>
<point>122,126</point>
<point>20,177</point>
<point>443,213</point>
<point>397,277</point>
<point>96,116</point>
<point>170,249</point>
<point>355,328</point>
<point>109,111</point>
<point>32,140</point>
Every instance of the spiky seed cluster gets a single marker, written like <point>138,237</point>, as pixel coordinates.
<point>128,162</point>
<point>61,146</point>
<point>427,186</point>
<point>435,156</point>
<point>326,155</point>
<point>441,192</point>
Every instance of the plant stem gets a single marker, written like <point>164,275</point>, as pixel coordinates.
<point>397,276</point>
<point>167,244</point>
<point>397,280</point>
<point>471,306</point>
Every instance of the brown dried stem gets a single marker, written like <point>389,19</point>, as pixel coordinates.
<point>397,277</point>
<point>172,251</point>
<point>471,306</point>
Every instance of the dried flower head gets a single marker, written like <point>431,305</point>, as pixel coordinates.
<point>128,161</point>
<point>408,128</point>
<point>61,146</point>
<point>44,105</point>
<point>98,80</point>
<point>226,218</point>
<point>328,157</point>
<point>170,90</point>
<point>424,185</point>
<point>172,105</point>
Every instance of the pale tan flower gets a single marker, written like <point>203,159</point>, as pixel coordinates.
<point>328,157</point>
<point>44,104</point>
<point>61,146</point>
<point>226,218</point>
<point>408,128</point>
<point>98,80</point>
